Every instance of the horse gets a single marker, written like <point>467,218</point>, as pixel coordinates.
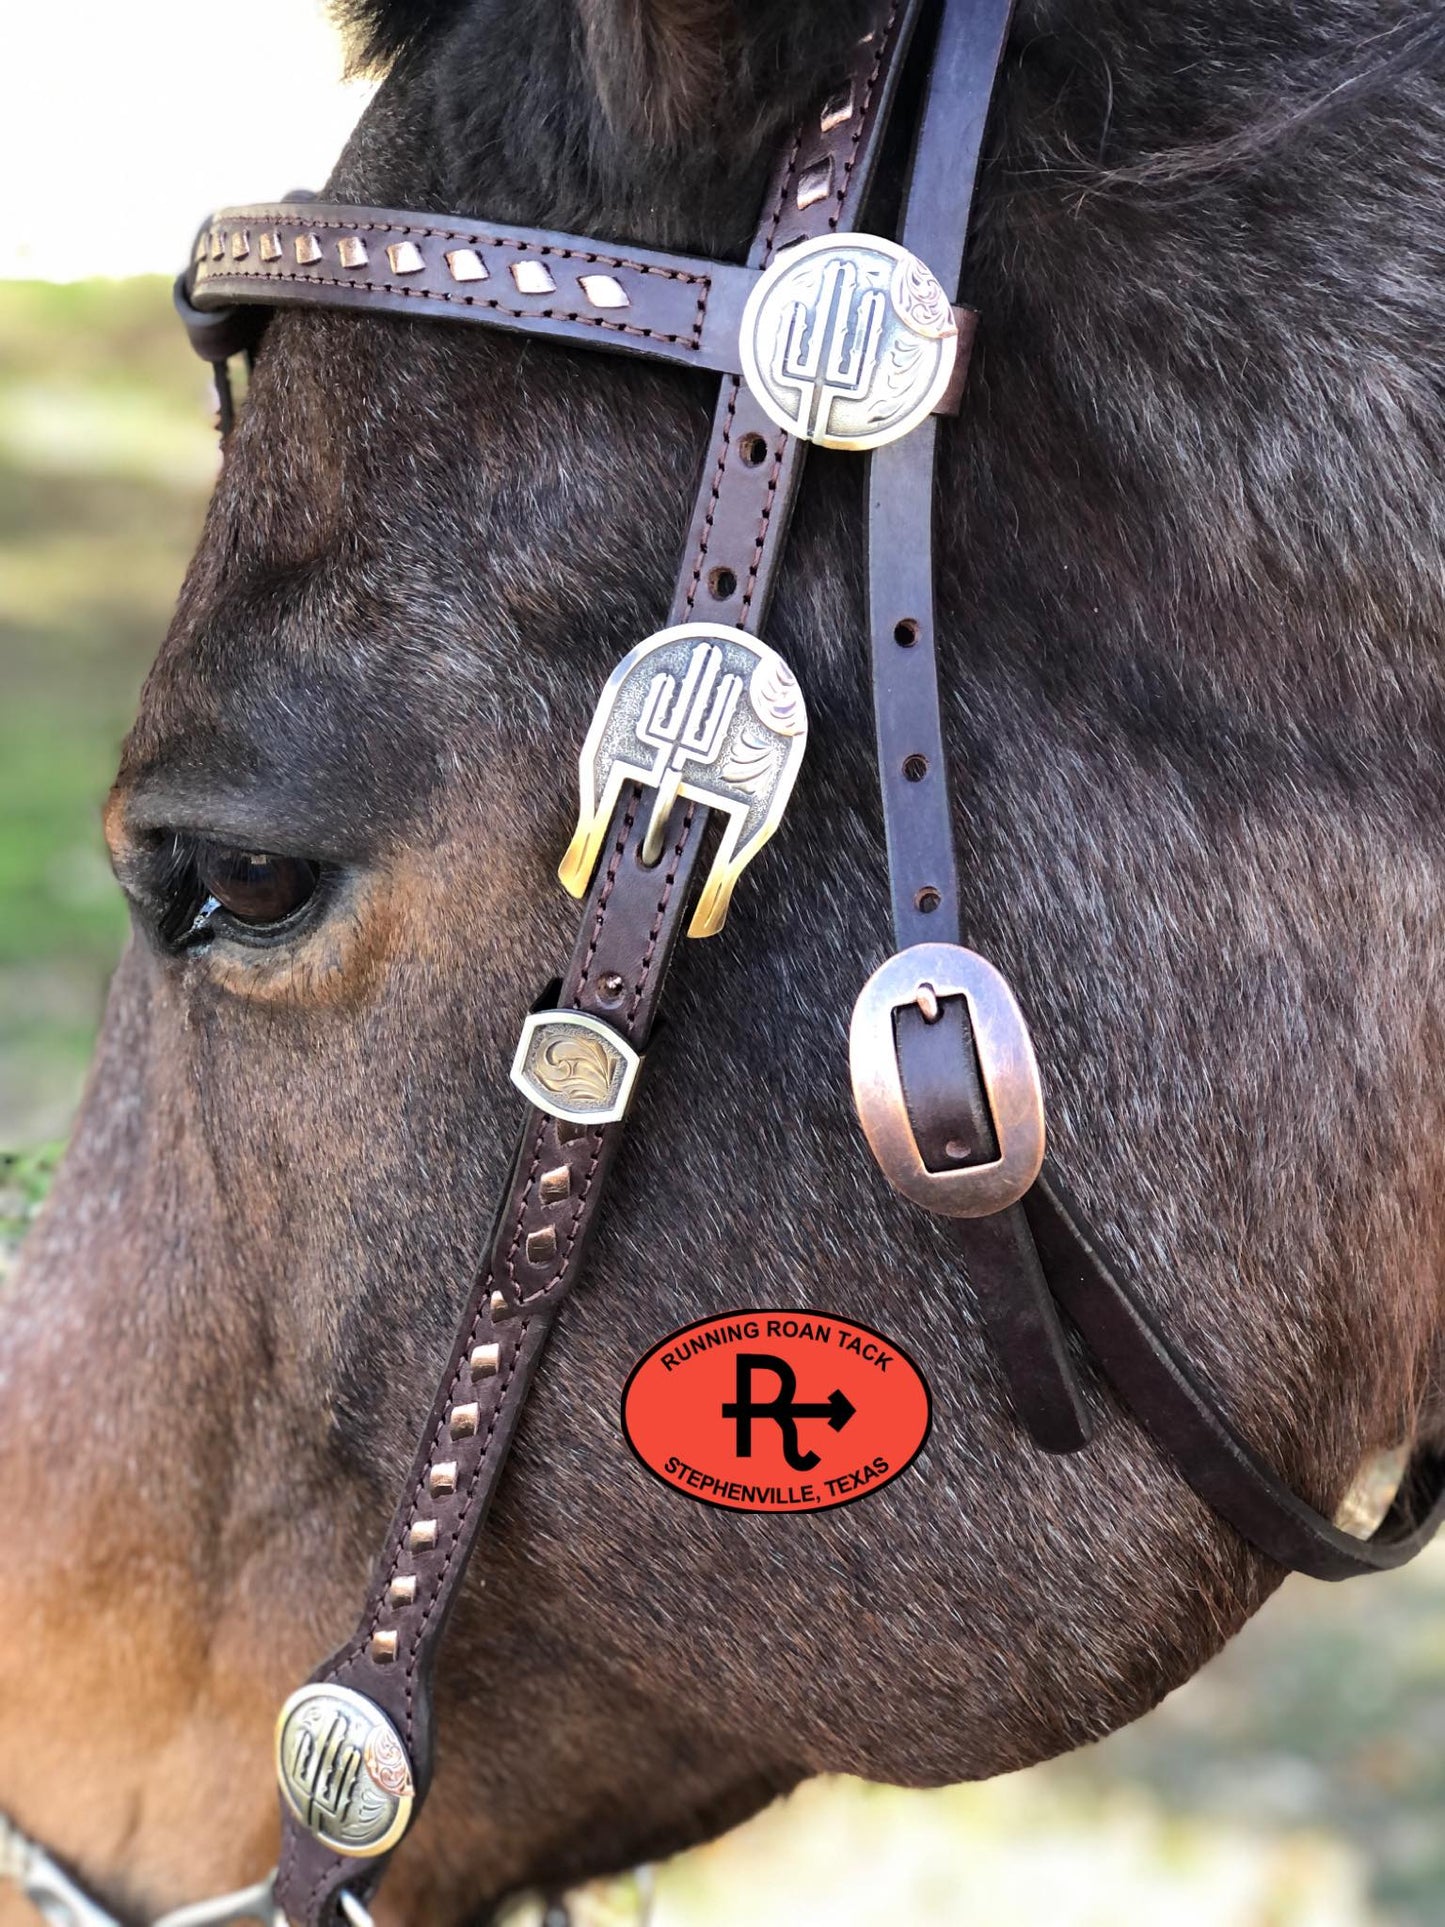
<point>1189,533</point>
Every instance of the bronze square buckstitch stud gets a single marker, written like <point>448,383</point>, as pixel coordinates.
<point>816,183</point>
<point>542,1245</point>
<point>465,264</point>
<point>838,110</point>
<point>405,257</point>
<point>604,291</point>
<point>532,277</point>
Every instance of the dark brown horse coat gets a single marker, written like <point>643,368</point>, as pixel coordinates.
<point>1191,611</point>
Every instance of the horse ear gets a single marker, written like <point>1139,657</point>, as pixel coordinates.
<point>378,31</point>
<point>660,66</point>
<point>670,72</point>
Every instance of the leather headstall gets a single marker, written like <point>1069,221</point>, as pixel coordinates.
<point>828,335</point>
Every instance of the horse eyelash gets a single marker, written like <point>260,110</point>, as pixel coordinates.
<point>185,912</point>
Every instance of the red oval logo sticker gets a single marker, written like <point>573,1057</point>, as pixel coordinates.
<point>776,1411</point>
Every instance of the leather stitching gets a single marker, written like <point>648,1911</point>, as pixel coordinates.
<point>618,848</point>
<point>471,235</point>
<point>448,299</point>
<point>788,174</point>
<point>650,953</point>
<point>780,454</point>
<point>240,275</point>
<point>705,536</point>
<point>436,1581</point>
<point>885,41</point>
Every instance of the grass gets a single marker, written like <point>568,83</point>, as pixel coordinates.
<point>105,460</point>
<point>1297,1783</point>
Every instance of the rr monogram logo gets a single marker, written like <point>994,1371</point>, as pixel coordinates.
<point>830,351</point>
<point>343,1770</point>
<point>687,725</point>
<point>324,1772</point>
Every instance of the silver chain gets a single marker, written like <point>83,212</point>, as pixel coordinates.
<point>61,1903</point>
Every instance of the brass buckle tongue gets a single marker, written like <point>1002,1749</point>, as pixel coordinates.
<point>702,711</point>
<point>926,975</point>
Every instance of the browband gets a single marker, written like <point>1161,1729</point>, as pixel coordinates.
<point>943,1072</point>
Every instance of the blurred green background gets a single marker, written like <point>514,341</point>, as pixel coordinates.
<point>1297,1783</point>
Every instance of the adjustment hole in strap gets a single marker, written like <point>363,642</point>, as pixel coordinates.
<point>905,633</point>
<point>753,449</point>
<point>722,584</point>
<point>915,767</point>
<point>928,899</point>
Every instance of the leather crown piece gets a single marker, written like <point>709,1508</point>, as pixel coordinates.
<point>852,341</point>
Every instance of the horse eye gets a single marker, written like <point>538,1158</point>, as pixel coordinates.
<point>256,887</point>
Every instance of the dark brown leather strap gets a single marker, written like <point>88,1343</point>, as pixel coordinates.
<point>1182,1416</point>
<point>561,286</point>
<point>946,1103</point>
<point>940,1075</point>
<point>951,1122</point>
<point>630,928</point>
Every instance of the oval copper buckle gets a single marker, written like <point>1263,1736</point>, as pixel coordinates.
<point>926,975</point>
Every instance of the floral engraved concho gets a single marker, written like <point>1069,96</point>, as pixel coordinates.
<point>575,1067</point>
<point>703,712</point>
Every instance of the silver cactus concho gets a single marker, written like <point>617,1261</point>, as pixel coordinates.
<point>343,1770</point>
<point>701,711</point>
<point>848,341</point>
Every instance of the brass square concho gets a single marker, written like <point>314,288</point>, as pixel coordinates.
<point>343,1770</point>
<point>848,341</point>
<point>575,1067</point>
<point>700,711</point>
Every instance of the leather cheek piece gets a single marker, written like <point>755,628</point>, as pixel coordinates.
<point>950,1115</point>
<point>630,928</point>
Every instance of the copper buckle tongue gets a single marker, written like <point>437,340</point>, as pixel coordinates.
<point>927,975</point>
